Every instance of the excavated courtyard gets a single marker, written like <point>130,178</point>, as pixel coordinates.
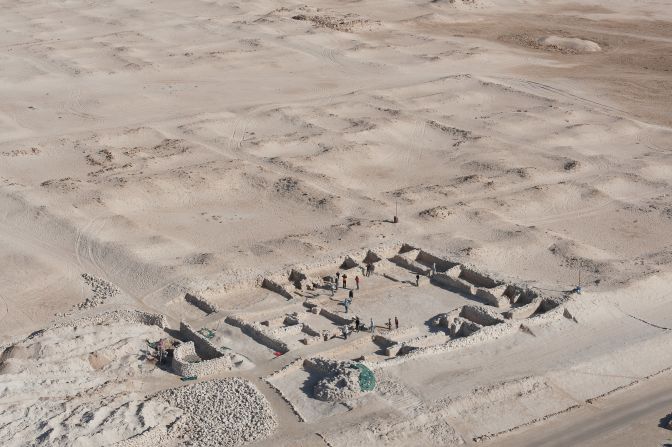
<point>475,357</point>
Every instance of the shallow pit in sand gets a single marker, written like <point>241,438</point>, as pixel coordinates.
<point>570,44</point>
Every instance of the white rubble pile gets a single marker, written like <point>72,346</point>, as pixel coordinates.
<point>223,412</point>
<point>102,290</point>
<point>341,381</point>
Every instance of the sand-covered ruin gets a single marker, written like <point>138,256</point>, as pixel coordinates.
<point>181,182</point>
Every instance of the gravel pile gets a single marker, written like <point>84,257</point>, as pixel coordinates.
<point>340,382</point>
<point>224,412</point>
<point>102,290</point>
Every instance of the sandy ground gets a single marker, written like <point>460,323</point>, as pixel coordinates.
<point>173,146</point>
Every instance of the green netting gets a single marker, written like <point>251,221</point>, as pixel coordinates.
<point>367,380</point>
<point>208,333</point>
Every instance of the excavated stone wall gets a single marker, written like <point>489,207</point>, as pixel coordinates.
<point>276,287</point>
<point>525,311</point>
<point>198,356</point>
<point>185,362</point>
<point>204,346</point>
<point>203,304</point>
<point>445,280</point>
<point>429,259</point>
<point>480,315</point>
<point>259,333</point>
<point>478,279</point>
<point>408,263</point>
<point>336,318</point>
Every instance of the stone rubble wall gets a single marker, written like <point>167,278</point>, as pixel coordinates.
<point>277,287</point>
<point>454,283</point>
<point>184,366</point>
<point>303,281</point>
<point>429,259</point>
<point>478,279</point>
<point>454,271</point>
<point>421,342</point>
<point>463,327</point>
<point>203,304</point>
<point>483,335</point>
<point>397,335</point>
<point>523,312</point>
<point>382,266</point>
<point>204,346</point>
<point>259,333</point>
<point>336,318</point>
<point>494,297</point>
<point>480,315</point>
<point>409,264</point>
<point>349,263</point>
<point>372,257</point>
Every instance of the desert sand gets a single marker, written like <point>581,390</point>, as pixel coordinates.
<point>178,165</point>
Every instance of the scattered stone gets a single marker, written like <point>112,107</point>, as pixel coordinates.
<point>102,291</point>
<point>221,413</point>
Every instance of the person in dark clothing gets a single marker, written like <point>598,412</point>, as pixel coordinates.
<point>338,277</point>
<point>357,324</point>
<point>417,281</point>
<point>345,278</point>
<point>351,295</point>
<point>357,281</point>
<point>396,322</point>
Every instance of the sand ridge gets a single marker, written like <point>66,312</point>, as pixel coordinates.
<point>152,150</point>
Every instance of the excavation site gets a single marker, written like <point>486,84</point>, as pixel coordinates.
<point>336,224</point>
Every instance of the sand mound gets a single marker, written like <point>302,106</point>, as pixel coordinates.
<point>570,44</point>
<point>463,3</point>
<point>226,412</point>
<point>46,384</point>
<point>437,212</point>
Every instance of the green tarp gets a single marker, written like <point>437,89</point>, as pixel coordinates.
<point>367,380</point>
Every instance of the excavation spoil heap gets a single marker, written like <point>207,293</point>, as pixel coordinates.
<point>225,412</point>
<point>342,381</point>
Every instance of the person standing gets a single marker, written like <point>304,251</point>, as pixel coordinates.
<point>345,332</point>
<point>373,328</point>
<point>357,324</point>
<point>357,281</point>
<point>417,280</point>
<point>351,295</point>
<point>333,288</point>
<point>338,276</point>
<point>345,278</point>
<point>389,324</point>
<point>396,323</point>
<point>346,303</point>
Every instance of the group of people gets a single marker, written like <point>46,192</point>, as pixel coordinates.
<point>344,278</point>
<point>346,329</point>
<point>358,326</point>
